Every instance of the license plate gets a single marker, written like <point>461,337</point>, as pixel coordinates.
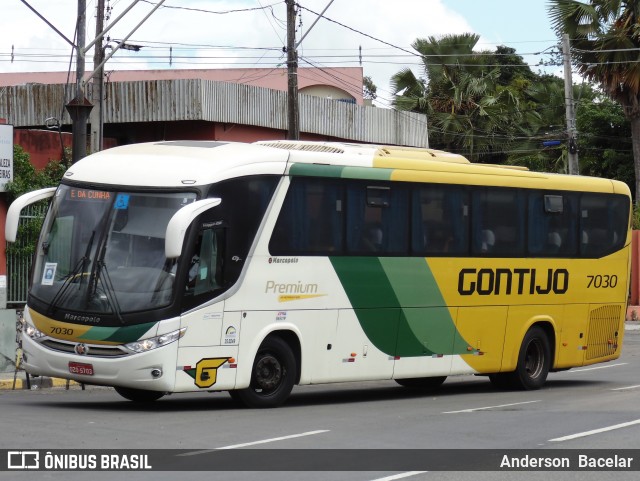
<point>81,368</point>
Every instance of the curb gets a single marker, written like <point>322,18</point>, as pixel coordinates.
<point>40,382</point>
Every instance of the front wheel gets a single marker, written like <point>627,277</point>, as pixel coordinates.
<point>534,361</point>
<point>139,395</point>
<point>272,376</point>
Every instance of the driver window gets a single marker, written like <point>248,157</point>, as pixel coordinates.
<point>205,269</point>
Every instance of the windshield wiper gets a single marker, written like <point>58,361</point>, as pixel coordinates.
<point>80,268</point>
<point>97,277</point>
<point>105,280</point>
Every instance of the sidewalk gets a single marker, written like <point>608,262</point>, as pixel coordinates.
<point>40,382</point>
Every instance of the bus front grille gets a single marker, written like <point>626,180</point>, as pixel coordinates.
<point>604,324</point>
<point>94,350</point>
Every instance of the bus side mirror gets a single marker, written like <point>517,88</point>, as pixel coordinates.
<point>13,214</point>
<point>180,222</point>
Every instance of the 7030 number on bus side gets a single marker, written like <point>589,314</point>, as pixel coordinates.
<point>602,281</point>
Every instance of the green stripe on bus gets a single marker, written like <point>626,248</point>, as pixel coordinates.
<point>315,170</point>
<point>338,171</point>
<point>426,317</point>
<point>398,305</point>
<point>117,334</point>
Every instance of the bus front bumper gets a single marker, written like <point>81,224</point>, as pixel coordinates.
<point>153,370</point>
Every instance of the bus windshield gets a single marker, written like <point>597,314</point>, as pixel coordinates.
<point>102,252</point>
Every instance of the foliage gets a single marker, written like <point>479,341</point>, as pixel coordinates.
<point>490,107</point>
<point>477,102</point>
<point>604,142</point>
<point>25,179</point>
<point>605,38</point>
<point>369,89</point>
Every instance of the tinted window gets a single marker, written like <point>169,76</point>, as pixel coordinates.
<point>323,216</point>
<point>552,224</point>
<point>311,219</point>
<point>377,219</point>
<point>244,202</point>
<point>497,222</point>
<point>603,223</point>
<point>440,220</point>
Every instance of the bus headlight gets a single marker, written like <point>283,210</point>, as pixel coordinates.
<point>32,332</point>
<point>145,345</point>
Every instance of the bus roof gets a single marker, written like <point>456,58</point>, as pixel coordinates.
<point>183,163</point>
<point>176,163</point>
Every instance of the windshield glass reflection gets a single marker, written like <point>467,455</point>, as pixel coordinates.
<point>102,252</point>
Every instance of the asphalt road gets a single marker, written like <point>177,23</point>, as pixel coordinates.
<point>595,407</point>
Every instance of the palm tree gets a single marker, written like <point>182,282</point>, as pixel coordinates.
<point>605,36</point>
<point>471,108</point>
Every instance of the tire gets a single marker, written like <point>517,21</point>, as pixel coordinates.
<point>422,383</point>
<point>272,376</point>
<point>139,395</point>
<point>534,361</point>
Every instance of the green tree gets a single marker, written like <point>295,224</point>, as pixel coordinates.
<point>604,142</point>
<point>475,104</point>
<point>545,98</point>
<point>25,179</point>
<point>605,38</point>
<point>369,89</point>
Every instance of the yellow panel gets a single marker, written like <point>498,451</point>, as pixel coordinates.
<point>521,318</point>
<point>483,328</point>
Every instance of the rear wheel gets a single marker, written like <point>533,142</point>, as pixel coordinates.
<point>139,395</point>
<point>422,383</point>
<point>534,361</point>
<point>272,377</point>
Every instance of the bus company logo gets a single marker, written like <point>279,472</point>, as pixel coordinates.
<point>283,260</point>
<point>487,281</point>
<point>23,460</point>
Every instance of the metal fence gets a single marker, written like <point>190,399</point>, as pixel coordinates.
<point>20,253</point>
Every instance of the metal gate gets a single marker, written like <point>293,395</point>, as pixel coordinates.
<point>20,253</point>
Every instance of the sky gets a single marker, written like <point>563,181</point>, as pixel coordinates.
<point>198,38</point>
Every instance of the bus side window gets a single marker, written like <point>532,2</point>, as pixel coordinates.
<point>497,223</point>
<point>440,218</point>
<point>603,224</point>
<point>552,224</point>
<point>311,219</point>
<point>377,219</point>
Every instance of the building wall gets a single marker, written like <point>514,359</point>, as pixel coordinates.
<point>347,79</point>
<point>42,146</point>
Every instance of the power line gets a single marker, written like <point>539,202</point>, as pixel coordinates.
<point>220,12</point>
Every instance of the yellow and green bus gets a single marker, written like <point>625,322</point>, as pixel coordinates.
<point>250,268</point>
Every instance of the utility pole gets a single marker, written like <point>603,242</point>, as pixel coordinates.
<point>293,120</point>
<point>574,166</point>
<point>97,93</point>
<point>80,107</point>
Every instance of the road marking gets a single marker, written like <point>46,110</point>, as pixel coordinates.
<point>599,367</point>
<point>401,475</point>
<point>490,407</point>
<point>595,431</point>
<point>628,387</point>
<point>253,443</point>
